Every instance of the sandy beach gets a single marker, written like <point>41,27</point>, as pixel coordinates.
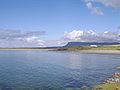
<point>23,49</point>
<point>116,52</point>
<point>102,51</point>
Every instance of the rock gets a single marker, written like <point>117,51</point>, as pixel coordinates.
<point>118,67</point>
<point>114,79</point>
<point>99,88</point>
<point>117,74</point>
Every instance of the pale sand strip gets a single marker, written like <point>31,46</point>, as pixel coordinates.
<point>22,49</point>
<point>84,51</point>
<point>102,51</point>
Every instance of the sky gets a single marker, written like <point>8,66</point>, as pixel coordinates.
<point>56,22</point>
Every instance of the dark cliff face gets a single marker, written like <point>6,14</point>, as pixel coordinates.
<point>70,44</point>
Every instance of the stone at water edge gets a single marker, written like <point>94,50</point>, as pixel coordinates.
<point>118,67</point>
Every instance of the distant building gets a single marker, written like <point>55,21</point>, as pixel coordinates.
<point>93,45</point>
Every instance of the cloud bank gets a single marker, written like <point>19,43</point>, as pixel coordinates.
<point>92,36</point>
<point>17,38</point>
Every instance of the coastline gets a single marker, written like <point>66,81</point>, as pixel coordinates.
<point>90,51</point>
<point>111,83</point>
<point>24,49</point>
<point>116,52</point>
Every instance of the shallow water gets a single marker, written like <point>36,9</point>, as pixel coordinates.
<point>47,70</point>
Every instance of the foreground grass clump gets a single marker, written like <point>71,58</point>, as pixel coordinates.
<point>112,86</point>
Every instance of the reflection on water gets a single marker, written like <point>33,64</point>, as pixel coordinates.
<point>75,61</point>
<point>43,70</point>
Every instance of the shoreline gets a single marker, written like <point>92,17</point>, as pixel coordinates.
<point>114,52</point>
<point>110,83</point>
<point>23,49</point>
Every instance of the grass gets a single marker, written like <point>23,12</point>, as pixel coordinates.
<point>113,86</point>
<point>107,47</point>
<point>74,48</point>
<point>102,47</point>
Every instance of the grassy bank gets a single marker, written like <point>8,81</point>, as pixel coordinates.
<point>102,47</point>
<point>112,83</point>
<point>74,48</point>
<point>112,86</point>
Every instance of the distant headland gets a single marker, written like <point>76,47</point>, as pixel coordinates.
<point>89,47</point>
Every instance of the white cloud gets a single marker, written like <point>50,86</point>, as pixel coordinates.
<point>106,32</point>
<point>94,10</point>
<point>59,42</point>
<point>107,3</point>
<point>92,36</point>
<point>35,40</point>
<point>17,38</point>
<point>91,32</point>
<point>74,35</point>
<point>110,3</point>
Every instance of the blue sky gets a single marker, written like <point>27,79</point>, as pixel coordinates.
<point>58,16</point>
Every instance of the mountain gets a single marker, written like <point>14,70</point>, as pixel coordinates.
<point>70,44</point>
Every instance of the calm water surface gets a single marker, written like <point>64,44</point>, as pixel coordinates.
<point>45,70</point>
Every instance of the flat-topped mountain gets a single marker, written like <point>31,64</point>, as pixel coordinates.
<point>70,44</point>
